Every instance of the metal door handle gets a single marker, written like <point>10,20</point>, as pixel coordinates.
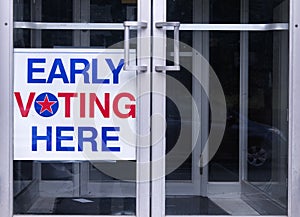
<point>201,164</point>
<point>176,66</point>
<point>127,25</point>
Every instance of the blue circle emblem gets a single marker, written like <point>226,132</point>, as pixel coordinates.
<point>46,104</point>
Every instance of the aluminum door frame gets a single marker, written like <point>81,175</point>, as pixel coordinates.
<point>6,108</point>
<point>294,114</point>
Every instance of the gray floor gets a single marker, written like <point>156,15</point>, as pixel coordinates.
<point>235,206</point>
<point>231,206</point>
<point>42,205</point>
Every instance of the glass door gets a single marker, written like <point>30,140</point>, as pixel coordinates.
<point>220,100</point>
<point>88,187</point>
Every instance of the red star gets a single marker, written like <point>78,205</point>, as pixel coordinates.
<point>46,105</point>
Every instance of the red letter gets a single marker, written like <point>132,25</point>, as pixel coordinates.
<point>104,111</point>
<point>131,107</point>
<point>24,112</point>
<point>67,97</point>
<point>82,105</point>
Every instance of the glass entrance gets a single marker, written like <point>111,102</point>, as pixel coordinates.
<point>219,108</point>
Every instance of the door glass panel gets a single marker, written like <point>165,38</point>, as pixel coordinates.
<point>271,11</point>
<point>224,59</point>
<point>22,10</point>
<point>73,187</point>
<point>116,11</point>
<point>56,38</point>
<point>229,12</point>
<point>22,38</point>
<point>177,118</point>
<point>107,38</point>
<point>215,189</point>
<point>223,54</point>
<point>267,125</point>
<point>69,38</point>
<point>247,175</point>
<point>54,11</point>
<point>183,186</point>
<point>194,11</point>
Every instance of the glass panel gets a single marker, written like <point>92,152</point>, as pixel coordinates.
<point>22,10</point>
<point>227,12</point>
<point>65,187</point>
<point>68,38</point>
<point>179,119</point>
<point>213,11</point>
<point>56,38</point>
<point>56,10</point>
<point>222,51</point>
<point>22,38</point>
<point>270,11</point>
<point>115,11</point>
<point>248,173</point>
<point>57,171</point>
<point>108,38</point>
<point>224,12</point>
<point>224,59</point>
<point>95,11</point>
<point>216,190</point>
<point>267,167</point>
<point>23,170</point>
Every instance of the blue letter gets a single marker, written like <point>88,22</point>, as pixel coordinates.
<point>91,139</point>
<point>31,70</point>
<point>96,80</point>
<point>47,138</point>
<point>115,71</point>
<point>58,63</point>
<point>83,71</point>
<point>106,138</point>
<point>59,138</point>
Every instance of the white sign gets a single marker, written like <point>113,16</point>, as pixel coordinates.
<point>73,104</point>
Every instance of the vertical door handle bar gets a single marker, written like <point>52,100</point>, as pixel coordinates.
<point>176,66</point>
<point>127,25</point>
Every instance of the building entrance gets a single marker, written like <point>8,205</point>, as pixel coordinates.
<point>212,81</point>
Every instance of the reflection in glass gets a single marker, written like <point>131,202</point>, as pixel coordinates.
<point>224,59</point>
<point>116,11</point>
<point>54,11</point>
<point>191,11</point>
<point>249,173</point>
<point>95,11</point>
<point>229,12</point>
<point>185,186</point>
<point>103,39</point>
<point>254,176</point>
<point>268,11</point>
<point>267,125</point>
